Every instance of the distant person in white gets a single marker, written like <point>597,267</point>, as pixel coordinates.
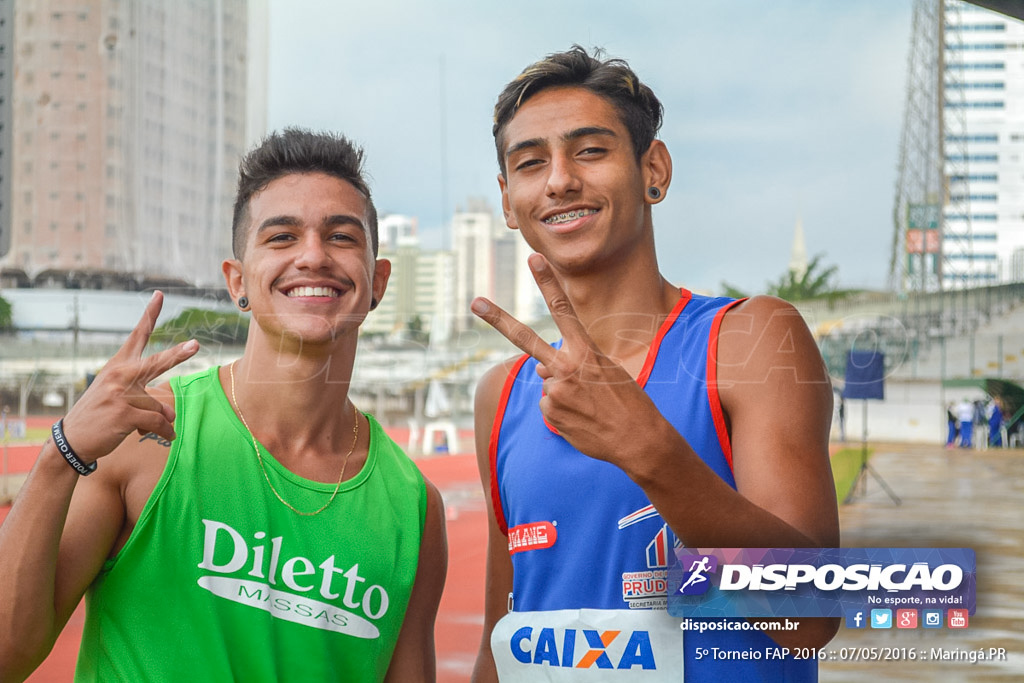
<point>965,414</point>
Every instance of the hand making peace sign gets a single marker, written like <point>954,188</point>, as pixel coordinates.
<point>117,403</point>
<point>589,398</point>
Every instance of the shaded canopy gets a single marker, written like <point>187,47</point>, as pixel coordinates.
<point>1010,394</point>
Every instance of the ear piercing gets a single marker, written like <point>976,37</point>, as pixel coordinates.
<point>653,192</point>
<point>243,302</point>
<point>373,303</point>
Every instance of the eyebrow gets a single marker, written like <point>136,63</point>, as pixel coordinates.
<point>292,221</point>
<point>573,134</point>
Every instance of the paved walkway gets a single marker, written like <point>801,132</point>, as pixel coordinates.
<point>950,498</point>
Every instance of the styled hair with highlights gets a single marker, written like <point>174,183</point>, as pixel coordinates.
<point>638,108</point>
<point>297,150</point>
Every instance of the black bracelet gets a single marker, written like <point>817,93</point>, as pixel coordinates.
<point>65,449</point>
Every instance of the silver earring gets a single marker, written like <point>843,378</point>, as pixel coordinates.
<point>243,302</point>
<point>653,192</point>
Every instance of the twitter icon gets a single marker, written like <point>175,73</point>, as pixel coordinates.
<point>881,618</point>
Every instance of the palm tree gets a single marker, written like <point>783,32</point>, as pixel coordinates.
<point>813,283</point>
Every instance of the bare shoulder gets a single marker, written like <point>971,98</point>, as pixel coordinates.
<point>764,336</point>
<point>494,379</point>
<point>434,533</point>
<point>138,463</point>
<point>761,312</point>
<point>488,398</point>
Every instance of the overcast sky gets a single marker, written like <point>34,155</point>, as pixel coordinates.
<point>773,111</point>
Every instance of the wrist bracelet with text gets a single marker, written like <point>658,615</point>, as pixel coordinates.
<point>65,449</point>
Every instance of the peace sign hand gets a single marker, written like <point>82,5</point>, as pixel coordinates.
<point>589,398</point>
<point>117,403</point>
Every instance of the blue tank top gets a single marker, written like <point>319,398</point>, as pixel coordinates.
<point>589,552</point>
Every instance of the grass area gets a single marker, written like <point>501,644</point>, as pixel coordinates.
<point>845,466</point>
<point>32,435</point>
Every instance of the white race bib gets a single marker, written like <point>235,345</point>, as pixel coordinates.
<point>588,645</point>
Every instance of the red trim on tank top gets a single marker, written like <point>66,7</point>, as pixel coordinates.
<point>499,416</point>
<point>652,353</point>
<point>717,414</point>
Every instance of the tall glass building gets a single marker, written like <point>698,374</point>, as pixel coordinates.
<point>983,146</point>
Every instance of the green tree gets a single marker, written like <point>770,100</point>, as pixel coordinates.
<point>6,315</point>
<point>414,328</point>
<point>206,327</point>
<point>816,282</point>
<point>733,291</point>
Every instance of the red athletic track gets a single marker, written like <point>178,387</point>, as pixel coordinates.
<point>460,618</point>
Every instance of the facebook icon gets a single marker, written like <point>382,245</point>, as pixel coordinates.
<point>855,618</point>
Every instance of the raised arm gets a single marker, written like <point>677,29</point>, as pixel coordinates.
<point>777,401</point>
<point>63,526</point>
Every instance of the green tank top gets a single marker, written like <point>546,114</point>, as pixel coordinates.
<point>221,582</point>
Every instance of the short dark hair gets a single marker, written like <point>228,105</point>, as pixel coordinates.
<point>638,108</point>
<point>297,150</point>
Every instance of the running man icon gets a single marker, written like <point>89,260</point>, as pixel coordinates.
<point>697,571</point>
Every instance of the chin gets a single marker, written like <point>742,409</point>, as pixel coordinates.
<point>316,332</point>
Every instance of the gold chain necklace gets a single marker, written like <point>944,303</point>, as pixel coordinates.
<point>255,445</point>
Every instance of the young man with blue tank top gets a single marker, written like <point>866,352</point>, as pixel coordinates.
<point>263,528</point>
<point>662,417</point>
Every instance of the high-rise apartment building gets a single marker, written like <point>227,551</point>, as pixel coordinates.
<point>983,131</point>
<point>6,116</point>
<point>421,291</point>
<point>491,262</point>
<point>127,120</point>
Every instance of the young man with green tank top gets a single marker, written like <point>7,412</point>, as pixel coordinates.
<point>270,531</point>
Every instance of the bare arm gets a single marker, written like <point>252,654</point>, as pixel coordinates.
<point>777,400</point>
<point>785,495</point>
<point>63,526</point>
<point>414,657</point>
<point>499,564</point>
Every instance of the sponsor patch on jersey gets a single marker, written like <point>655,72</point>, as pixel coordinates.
<point>532,536</point>
<point>645,589</point>
<point>566,646</point>
<point>648,588</point>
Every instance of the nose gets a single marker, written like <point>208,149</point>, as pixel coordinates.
<point>563,176</point>
<point>313,253</point>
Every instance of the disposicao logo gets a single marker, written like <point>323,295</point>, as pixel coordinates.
<point>696,570</point>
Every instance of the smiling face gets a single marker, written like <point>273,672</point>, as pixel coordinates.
<point>308,268</point>
<point>573,184</point>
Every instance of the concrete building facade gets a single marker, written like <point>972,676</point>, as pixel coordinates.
<point>421,291</point>
<point>491,262</point>
<point>983,95</point>
<point>128,119</point>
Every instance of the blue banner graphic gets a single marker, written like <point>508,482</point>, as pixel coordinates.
<point>819,582</point>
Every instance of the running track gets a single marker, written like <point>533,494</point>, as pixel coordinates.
<point>460,617</point>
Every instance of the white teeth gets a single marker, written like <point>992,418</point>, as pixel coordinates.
<point>569,216</point>
<point>313,291</point>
